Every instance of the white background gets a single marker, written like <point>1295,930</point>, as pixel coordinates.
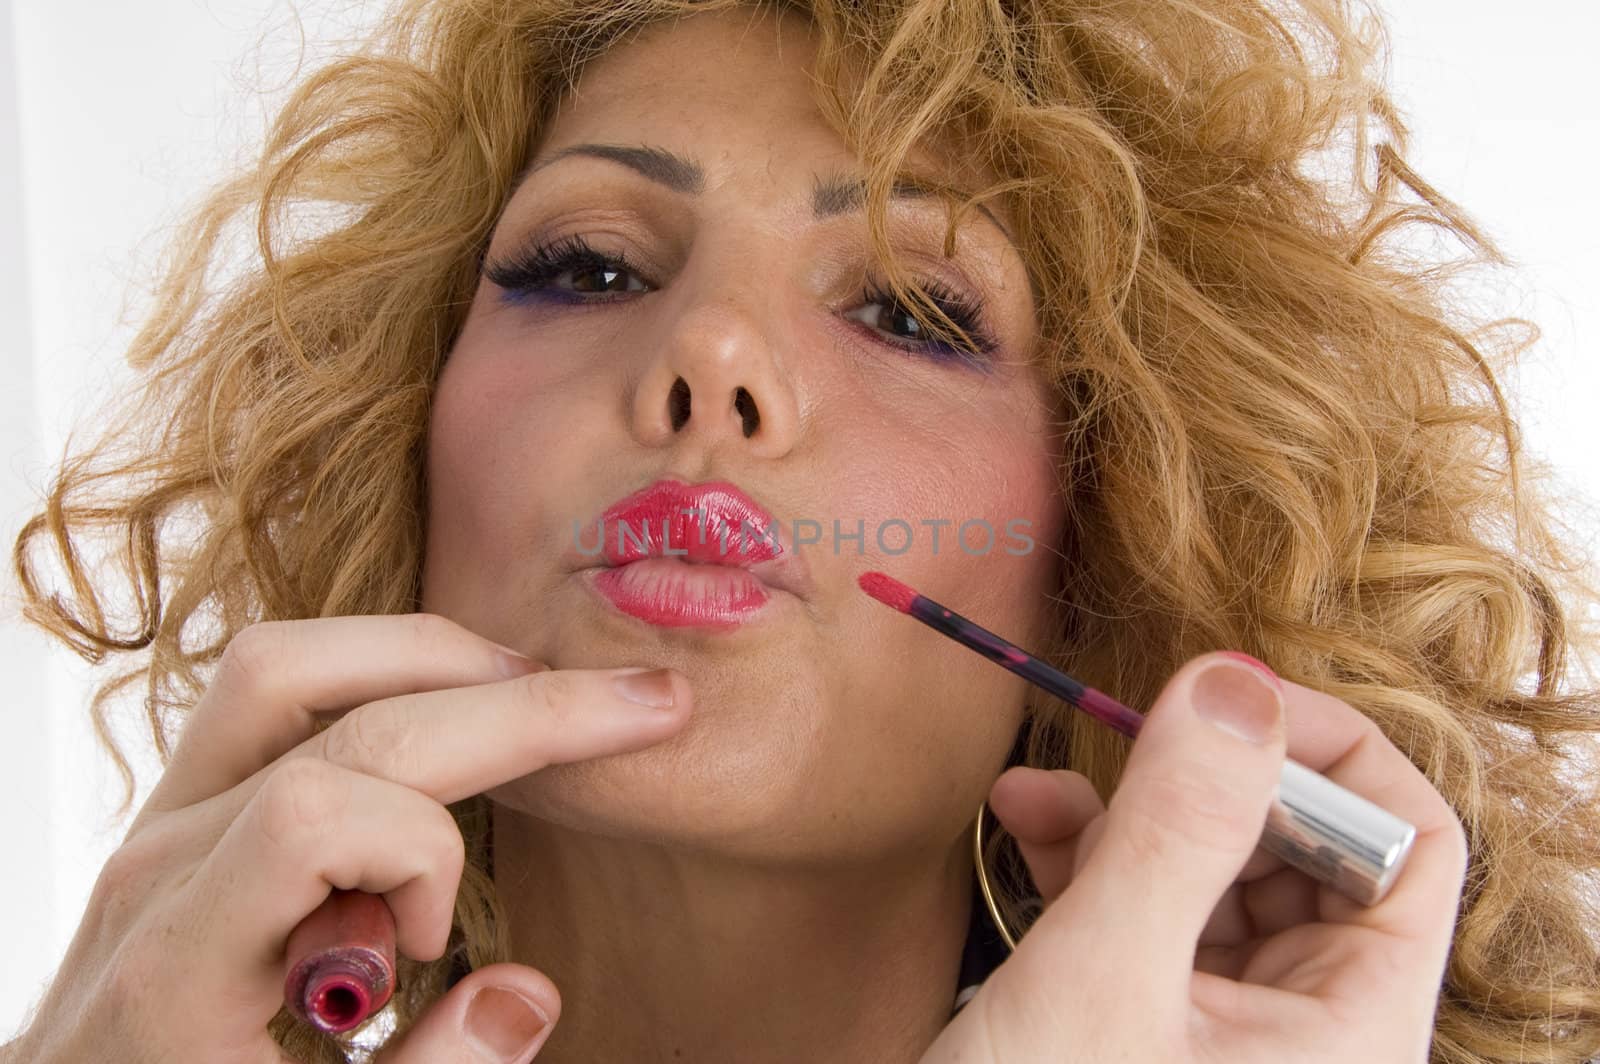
<point>112,116</point>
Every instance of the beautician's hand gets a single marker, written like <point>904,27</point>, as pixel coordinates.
<point>180,956</point>
<point>1166,937</point>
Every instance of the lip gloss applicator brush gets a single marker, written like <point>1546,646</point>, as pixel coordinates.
<point>1331,834</point>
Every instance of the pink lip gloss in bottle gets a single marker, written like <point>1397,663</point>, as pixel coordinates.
<point>341,961</point>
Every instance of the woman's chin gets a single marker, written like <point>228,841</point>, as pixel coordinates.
<point>674,792</point>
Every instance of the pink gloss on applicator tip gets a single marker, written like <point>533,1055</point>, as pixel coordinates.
<point>887,590</point>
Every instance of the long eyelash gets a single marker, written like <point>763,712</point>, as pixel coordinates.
<point>960,310</point>
<point>536,266</point>
<point>533,267</point>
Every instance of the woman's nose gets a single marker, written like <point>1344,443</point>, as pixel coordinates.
<point>718,382</point>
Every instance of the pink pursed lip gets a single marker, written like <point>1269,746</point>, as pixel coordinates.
<point>673,593</point>
<point>677,554</point>
<point>712,523</point>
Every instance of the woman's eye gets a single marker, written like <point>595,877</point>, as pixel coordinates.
<point>600,276</point>
<point>882,311</point>
<point>571,271</point>
<point>599,279</point>
<point>580,270</point>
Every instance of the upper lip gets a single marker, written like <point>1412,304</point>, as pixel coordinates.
<point>711,523</point>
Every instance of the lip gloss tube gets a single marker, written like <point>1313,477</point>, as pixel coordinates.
<point>341,961</point>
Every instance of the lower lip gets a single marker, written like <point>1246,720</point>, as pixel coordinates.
<point>673,593</point>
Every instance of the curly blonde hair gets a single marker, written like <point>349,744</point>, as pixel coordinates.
<point>1283,432</point>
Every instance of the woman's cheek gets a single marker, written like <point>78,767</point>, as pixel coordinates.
<point>939,507</point>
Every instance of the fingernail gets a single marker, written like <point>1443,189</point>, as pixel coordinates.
<point>1255,663</point>
<point>511,664</point>
<point>1243,698</point>
<point>648,687</point>
<point>503,1023</point>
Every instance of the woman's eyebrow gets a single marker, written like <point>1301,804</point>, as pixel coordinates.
<point>830,196</point>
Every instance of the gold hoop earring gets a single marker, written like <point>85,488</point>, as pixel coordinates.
<point>983,879</point>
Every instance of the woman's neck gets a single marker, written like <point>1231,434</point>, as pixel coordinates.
<point>675,956</point>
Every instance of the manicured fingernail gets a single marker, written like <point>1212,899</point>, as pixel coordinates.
<point>647,687</point>
<point>1243,698</point>
<point>503,1023</point>
<point>511,664</point>
<point>1255,663</point>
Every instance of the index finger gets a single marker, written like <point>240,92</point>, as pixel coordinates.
<point>276,676</point>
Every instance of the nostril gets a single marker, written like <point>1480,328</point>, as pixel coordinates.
<point>746,406</point>
<point>678,404</point>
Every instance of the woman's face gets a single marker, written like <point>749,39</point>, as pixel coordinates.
<point>736,346</point>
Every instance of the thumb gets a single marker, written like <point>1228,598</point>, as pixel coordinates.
<point>492,1016</point>
<point>1186,816</point>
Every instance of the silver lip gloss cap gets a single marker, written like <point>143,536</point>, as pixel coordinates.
<point>1336,836</point>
